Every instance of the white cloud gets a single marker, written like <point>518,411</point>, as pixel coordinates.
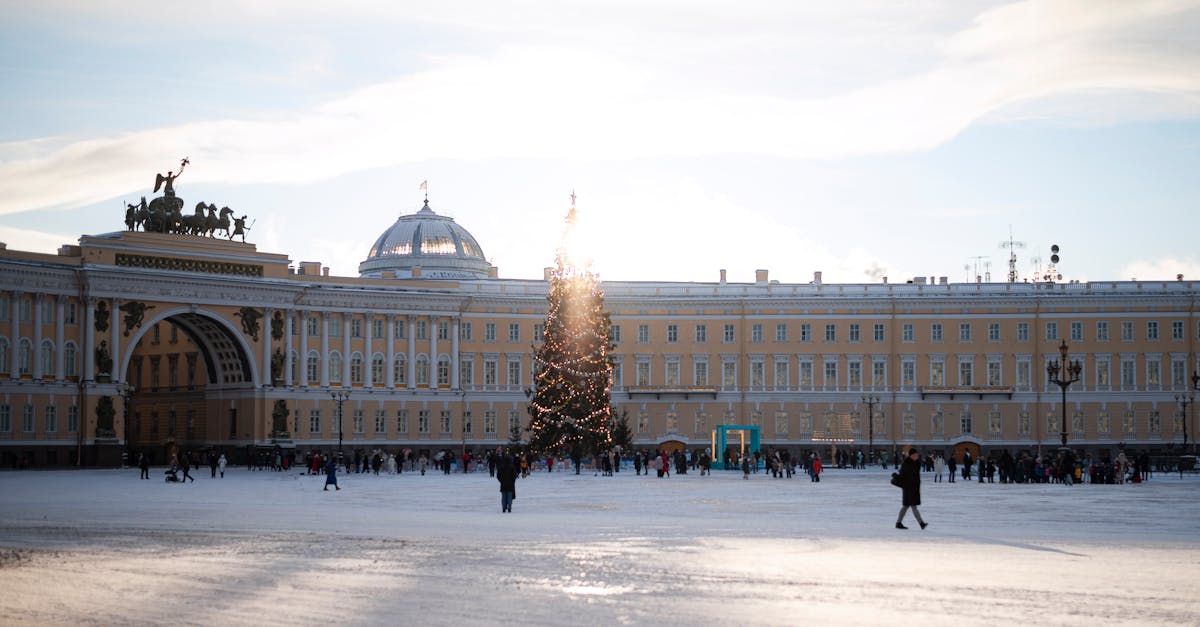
<point>1164,269</point>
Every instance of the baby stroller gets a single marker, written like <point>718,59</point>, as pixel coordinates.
<point>172,476</point>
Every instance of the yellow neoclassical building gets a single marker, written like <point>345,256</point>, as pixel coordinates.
<point>137,341</point>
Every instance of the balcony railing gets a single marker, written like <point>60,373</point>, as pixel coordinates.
<point>972,390</point>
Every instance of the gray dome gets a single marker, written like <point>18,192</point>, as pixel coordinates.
<point>441,248</point>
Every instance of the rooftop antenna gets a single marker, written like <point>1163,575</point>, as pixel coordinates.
<point>1012,247</point>
<point>977,277</point>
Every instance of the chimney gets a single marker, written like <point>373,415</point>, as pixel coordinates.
<point>722,276</point>
<point>324,271</point>
<point>944,280</point>
<point>817,277</point>
<point>760,277</point>
<point>885,280</point>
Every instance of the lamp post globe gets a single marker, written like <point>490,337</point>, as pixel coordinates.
<point>1063,374</point>
<point>339,396</point>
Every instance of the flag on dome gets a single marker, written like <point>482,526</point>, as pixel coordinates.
<point>425,185</point>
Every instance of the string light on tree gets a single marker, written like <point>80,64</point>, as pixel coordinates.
<point>571,401</point>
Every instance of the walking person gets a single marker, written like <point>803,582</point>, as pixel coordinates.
<point>212,464</point>
<point>331,474</point>
<point>186,466</point>
<point>144,465</point>
<point>939,466</point>
<point>221,464</point>
<point>951,467</point>
<point>506,474</point>
<point>910,484</point>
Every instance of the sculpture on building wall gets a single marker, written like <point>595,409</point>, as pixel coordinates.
<point>103,359</point>
<point>135,312</point>
<point>279,417</point>
<point>102,316</point>
<point>104,417</point>
<point>250,317</point>
<point>277,366</point>
<point>277,326</point>
<point>164,214</point>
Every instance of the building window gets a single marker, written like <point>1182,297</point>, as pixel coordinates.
<point>400,370</point>
<point>423,421</point>
<point>314,421</point>
<point>781,423</point>
<point>489,332</point>
<point>356,369</point>
<point>489,423</point>
<point>539,331</point>
<point>672,333</point>
<point>1126,331</point>
<point>964,422</point>
<point>854,375</point>
<point>443,372</point>
<point>877,332</point>
<point>729,334</point>
<point>490,374</point>
<point>643,373</point>
<point>830,333</point>
<point>781,375</point>
<point>356,327</point>
<point>312,367</point>
<point>756,333</point>
<point>757,375</point>
<point>464,331</point>
<point>1154,422</point>
<point>358,421</point>
<point>1128,423</point>
<point>935,332</point>
<point>1128,373</point>
<point>377,369</point>
<point>380,421</point>
<point>466,372</point>
<point>468,423</point>
<point>700,373</point>
<point>1022,331</point>
<point>909,423</point>
<point>994,373</point>
<point>831,375</point>
<point>1152,330</point>
<point>908,333</point>
<point>701,423</point>
<point>335,327</point>
<point>514,421</point>
<point>514,332</point>
<point>514,373</point>
<point>937,422</point>
<point>1153,373</point>
<point>643,334</point>
<point>73,419</point>
<point>908,375</point>
<point>672,422</point>
<point>729,375</point>
<point>780,332</point>
<point>1024,423</point>
<point>805,332</point>
<point>445,421</point>
<point>937,373</point>
<point>400,329</point>
<point>1103,421</point>
<point>995,423</point>
<point>701,333</point>
<point>1103,380</point>
<point>1177,330</point>
<point>964,331</point>
<point>335,367</point>
<point>855,332</point>
<point>672,379</point>
<point>1102,331</point>
<point>1024,375</point>
<point>443,330</point>
<point>422,370</point>
<point>421,330</point>
<point>643,422</point>
<point>1076,331</point>
<point>966,372</point>
<point>50,419</point>
<point>806,422</point>
<point>401,421</point>
<point>616,333</point>
<point>806,375</point>
<point>1052,331</point>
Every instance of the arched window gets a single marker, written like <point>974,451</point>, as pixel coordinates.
<point>24,357</point>
<point>46,358</point>
<point>443,371</point>
<point>377,369</point>
<point>422,370</point>
<point>335,367</point>
<point>70,368</point>
<point>400,371</point>
<point>314,367</point>
<point>356,369</point>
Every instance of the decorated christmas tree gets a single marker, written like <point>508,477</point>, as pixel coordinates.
<point>570,403</point>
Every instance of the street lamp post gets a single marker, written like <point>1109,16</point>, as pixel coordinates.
<point>1184,400</point>
<point>871,401</point>
<point>126,391</point>
<point>1070,374</point>
<point>339,396</point>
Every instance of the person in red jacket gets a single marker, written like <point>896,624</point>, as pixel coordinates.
<point>816,468</point>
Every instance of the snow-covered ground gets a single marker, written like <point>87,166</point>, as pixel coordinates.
<point>103,547</point>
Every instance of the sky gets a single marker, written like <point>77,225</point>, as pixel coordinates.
<point>97,546</point>
<point>861,139</point>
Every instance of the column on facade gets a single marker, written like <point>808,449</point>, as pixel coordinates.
<point>89,339</point>
<point>114,344</point>
<point>454,382</point>
<point>346,350</point>
<point>14,366</point>
<point>302,317</point>
<point>412,353</point>
<point>36,357</point>
<point>289,325</point>
<point>390,370</point>
<point>267,378</point>
<point>324,349</point>
<point>368,356</point>
<point>60,338</point>
<point>433,354</point>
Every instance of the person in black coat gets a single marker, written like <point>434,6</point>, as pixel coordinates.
<point>506,473</point>
<point>910,483</point>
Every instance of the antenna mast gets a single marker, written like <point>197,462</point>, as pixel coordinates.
<point>1012,247</point>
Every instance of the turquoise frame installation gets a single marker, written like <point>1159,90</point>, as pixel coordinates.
<point>720,437</point>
